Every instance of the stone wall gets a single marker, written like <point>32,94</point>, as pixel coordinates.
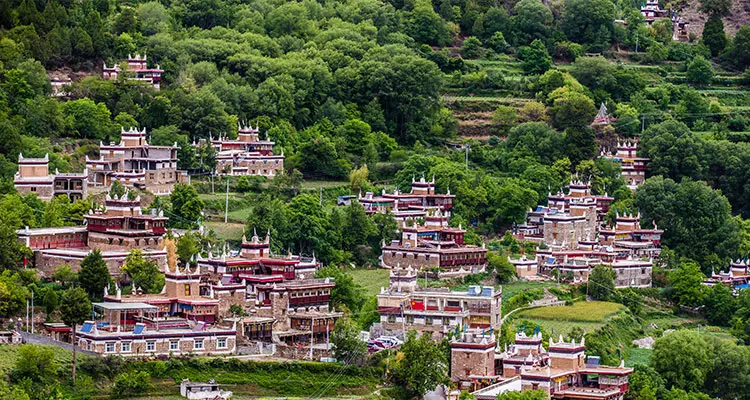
<point>408,258</point>
<point>46,264</point>
<point>465,363</point>
<point>41,191</point>
<point>102,241</point>
<point>301,353</point>
<point>633,277</point>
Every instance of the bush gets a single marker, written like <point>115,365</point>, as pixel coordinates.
<point>471,48</point>
<point>130,384</point>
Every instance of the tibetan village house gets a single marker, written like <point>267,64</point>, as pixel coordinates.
<point>137,330</point>
<point>247,155</point>
<point>137,70</point>
<point>116,230</point>
<point>33,177</point>
<point>136,163</point>
<point>404,306</point>
<point>563,371</point>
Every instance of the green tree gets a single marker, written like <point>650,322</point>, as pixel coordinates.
<point>471,47</point>
<point>143,272</point>
<point>75,308</point>
<point>426,26</point>
<point>89,120</point>
<point>497,43</point>
<point>739,52</point>
<point>688,211</point>
<point>423,366</point>
<point>537,394</point>
<point>601,284</point>
<point>346,292</point>
<point>583,20</point>
<point>715,8</point>
<point>644,383</point>
<point>188,246</point>
<point>347,346</point>
<point>682,358</point>
<point>36,363</point>
<point>129,384</point>
<point>699,71</point>
<point>572,110</point>
<point>687,282</point>
<point>94,275</point>
<point>714,36</point>
<point>535,57</point>
<point>505,271</point>
<point>720,305</point>
<point>186,208</point>
<point>531,21</point>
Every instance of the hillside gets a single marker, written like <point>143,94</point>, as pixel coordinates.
<point>740,16</point>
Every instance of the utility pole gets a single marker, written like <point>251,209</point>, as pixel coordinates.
<point>636,42</point>
<point>32,311</point>
<point>226,204</point>
<point>643,122</point>
<point>321,195</point>
<point>212,182</point>
<point>27,315</point>
<point>467,147</point>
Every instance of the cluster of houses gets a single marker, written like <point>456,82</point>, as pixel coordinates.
<point>212,305</point>
<point>573,236</point>
<point>651,12</point>
<point>563,370</point>
<point>136,163</point>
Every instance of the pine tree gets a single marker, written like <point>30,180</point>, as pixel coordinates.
<point>714,36</point>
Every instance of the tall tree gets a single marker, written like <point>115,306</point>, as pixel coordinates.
<point>347,346</point>
<point>186,208</point>
<point>682,358</point>
<point>75,308</point>
<point>94,275</point>
<point>423,366</point>
<point>601,284</point>
<point>714,36</point>
<point>143,272</point>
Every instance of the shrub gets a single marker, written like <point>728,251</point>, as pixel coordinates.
<point>130,384</point>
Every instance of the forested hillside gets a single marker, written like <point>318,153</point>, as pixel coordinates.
<point>495,99</point>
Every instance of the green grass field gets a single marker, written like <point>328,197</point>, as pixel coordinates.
<point>229,231</point>
<point>9,355</point>
<point>371,279</point>
<point>562,319</point>
<point>513,288</point>
<point>638,356</point>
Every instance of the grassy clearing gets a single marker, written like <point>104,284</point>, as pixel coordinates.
<point>9,355</point>
<point>229,231</point>
<point>588,316</point>
<point>371,279</point>
<point>511,289</point>
<point>313,185</point>
<point>638,356</point>
<point>582,311</point>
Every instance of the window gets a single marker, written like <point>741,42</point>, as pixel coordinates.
<point>391,318</point>
<point>150,346</point>
<point>174,345</point>
<point>33,188</point>
<point>109,348</point>
<point>187,289</point>
<point>428,321</point>
<point>198,344</point>
<point>126,347</point>
<point>221,343</point>
<point>409,319</point>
